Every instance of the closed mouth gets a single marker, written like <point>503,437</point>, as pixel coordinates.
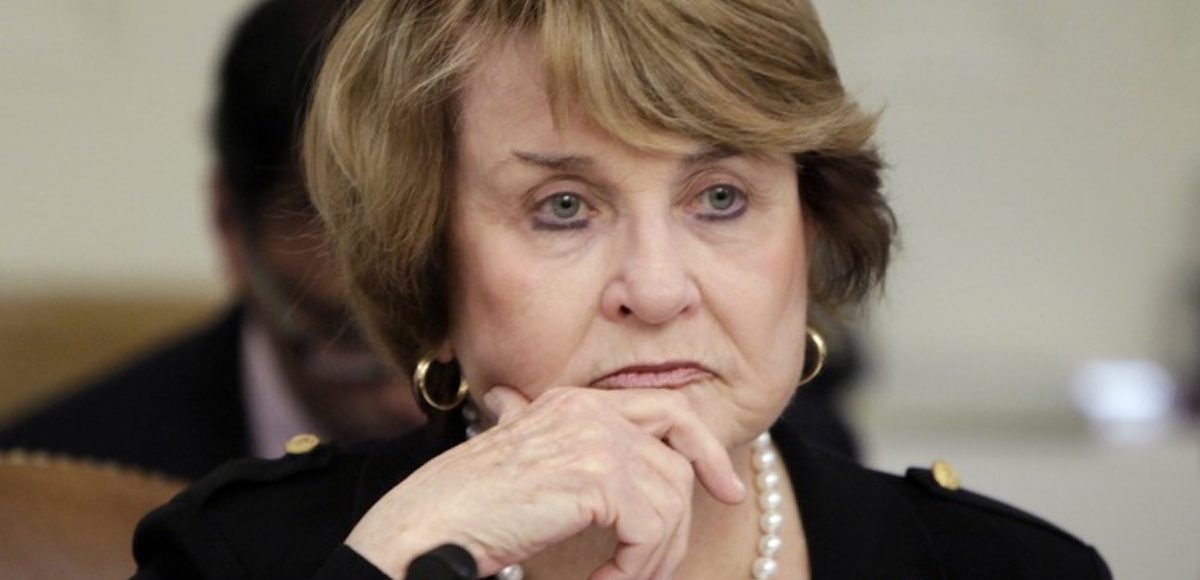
<point>654,376</point>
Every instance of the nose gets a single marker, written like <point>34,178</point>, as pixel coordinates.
<point>652,283</point>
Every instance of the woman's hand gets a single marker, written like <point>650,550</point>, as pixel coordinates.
<point>573,459</point>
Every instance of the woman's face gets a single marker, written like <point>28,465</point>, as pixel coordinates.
<point>579,260</point>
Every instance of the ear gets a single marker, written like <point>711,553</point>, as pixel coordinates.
<point>445,353</point>
<point>232,239</point>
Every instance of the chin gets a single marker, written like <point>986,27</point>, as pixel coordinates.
<point>732,424</point>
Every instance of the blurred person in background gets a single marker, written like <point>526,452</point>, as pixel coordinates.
<point>285,357</point>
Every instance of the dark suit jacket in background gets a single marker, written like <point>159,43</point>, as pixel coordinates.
<point>178,411</point>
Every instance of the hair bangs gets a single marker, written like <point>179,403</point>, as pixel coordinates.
<point>651,72</point>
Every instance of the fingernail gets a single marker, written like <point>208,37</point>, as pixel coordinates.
<point>740,485</point>
<point>492,402</point>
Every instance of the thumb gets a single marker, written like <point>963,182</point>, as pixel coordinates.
<point>504,402</point>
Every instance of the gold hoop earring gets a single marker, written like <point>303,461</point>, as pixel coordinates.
<point>420,388</point>
<point>821,351</point>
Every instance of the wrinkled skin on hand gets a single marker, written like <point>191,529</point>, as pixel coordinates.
<point>571,460</point>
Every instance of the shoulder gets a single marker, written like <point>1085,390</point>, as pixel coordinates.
<point>245,479</point>
<point>862,523</point>
<point>254,517</point>
<point>200,355</point>
<point>977,536</point>
<point>274,518</point>
<point>197,357</point>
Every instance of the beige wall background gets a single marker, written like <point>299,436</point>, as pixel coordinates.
<point>1046,175</point>
<point>103,151</point>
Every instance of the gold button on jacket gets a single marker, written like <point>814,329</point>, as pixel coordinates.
<point>944,475</point>
<point>302,443</point>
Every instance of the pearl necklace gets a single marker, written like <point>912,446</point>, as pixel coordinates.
<point>766,479</point>
<point>770,501</point>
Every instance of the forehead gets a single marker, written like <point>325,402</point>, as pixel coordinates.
<point>505,105</point>
<point>505,90</point>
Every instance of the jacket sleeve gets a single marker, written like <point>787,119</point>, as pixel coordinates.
<point>177,542</point>
<point>346,563</point>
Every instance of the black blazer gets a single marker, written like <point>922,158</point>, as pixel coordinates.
<point>287,518</point>
<point>178,410</point>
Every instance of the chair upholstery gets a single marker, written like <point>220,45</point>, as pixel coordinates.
<point>65,517</point>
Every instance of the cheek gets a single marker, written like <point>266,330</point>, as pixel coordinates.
<point>792,317</point>
<point>789,318</point>
<point>515,319</point>
<point>768,314</point>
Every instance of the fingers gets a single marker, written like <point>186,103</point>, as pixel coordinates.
<point>668,416</point>
<point>504,402</point>
<point>679,473</point>
<point>641,532</point>
<point>651,517</point>
<point>574,459</point>
<point>656,448</point>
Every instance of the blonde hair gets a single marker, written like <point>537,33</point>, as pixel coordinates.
<point>751,75</point>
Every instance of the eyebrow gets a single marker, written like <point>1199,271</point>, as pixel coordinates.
<point>709,155</point>
<point>555,162</point>
<point>572,162</point>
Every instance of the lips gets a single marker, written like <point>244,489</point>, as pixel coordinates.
<point>656,376</point>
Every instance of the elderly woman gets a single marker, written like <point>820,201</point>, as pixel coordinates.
<point>593,231</point>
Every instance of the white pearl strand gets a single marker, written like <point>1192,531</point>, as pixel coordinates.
<point>770,500</point>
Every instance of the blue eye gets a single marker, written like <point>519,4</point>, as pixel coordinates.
<point>721,202</point>
<point>561,211</point>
